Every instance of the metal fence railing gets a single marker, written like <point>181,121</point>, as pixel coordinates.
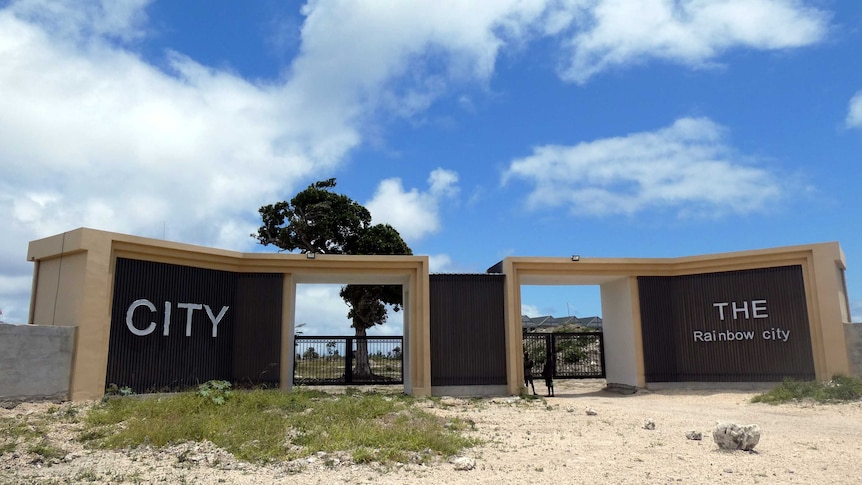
<point>348,360</point>
<point>578,355</point>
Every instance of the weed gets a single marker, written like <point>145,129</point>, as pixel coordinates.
<point>363,455</point>
<point>839,389</point>
<point>19,430</point>
<point>87,475</point>
<point>114,390</point>
<point>13,429</point>
<point>46,450</point>
<point>215,391</point>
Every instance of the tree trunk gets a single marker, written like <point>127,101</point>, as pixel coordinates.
<point>363,365</point>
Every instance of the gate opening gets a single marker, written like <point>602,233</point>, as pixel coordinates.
<point>562,325</point>
<point>327,349</point>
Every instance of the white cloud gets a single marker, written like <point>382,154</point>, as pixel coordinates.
<point>323,312</point>
<point>686,167</point>
<point>13,298</point>
<point>119,19</point>
<point>116,144</point>
<point>443,263</point>
<point>351,52</point>
<point>854,114</point>
<point>440,263</point>
<point>615,33</point>
<point>92,134</point>
<point>413,213</point>
<point>856,311</point>
<point>531,310</point>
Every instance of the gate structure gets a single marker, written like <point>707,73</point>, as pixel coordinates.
<point>330,360</point>
<point>578,355</point>
<point>152,314</point>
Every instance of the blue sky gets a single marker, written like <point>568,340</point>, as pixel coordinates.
<point>483,129</point>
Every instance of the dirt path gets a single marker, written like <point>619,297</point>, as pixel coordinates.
<point>548,440</point>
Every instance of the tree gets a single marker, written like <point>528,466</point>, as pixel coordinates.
<point>315,220</point>
<point>332,349</point>
<point>318,220</point>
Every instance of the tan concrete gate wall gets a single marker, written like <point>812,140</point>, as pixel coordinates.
<point>73,283</point>
<point>822,264</point>
<point>74,271</point>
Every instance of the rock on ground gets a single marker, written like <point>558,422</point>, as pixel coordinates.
<point>730,436</point>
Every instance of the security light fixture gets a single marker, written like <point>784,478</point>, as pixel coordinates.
<point>310,255</point>
<point>576,257</point>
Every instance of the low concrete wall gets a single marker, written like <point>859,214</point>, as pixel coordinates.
<point>470,391</point>
<point>853,336</point>
<point>35,362</point>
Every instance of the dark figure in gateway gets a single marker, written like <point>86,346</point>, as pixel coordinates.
<point>528,373</point>
<point>548,374</point>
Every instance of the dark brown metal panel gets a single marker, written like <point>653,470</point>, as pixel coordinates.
<point>171,340</point>
<point>657,322</point>
<point>749,325</point>
<point>468,345</point>
<point>257,329</point>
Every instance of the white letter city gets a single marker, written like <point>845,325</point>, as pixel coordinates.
<point>166,321</point>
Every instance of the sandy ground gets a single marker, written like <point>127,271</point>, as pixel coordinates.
<point>547,440</point>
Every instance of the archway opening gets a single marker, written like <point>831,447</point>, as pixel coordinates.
<point>329,351</point>
<point>562,331</point>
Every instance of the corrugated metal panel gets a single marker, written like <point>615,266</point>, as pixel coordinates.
<point>763,335</point>
<point>257,328</point>
<point>468,344</point>
<point>657,324</point>
<point>175,326</point>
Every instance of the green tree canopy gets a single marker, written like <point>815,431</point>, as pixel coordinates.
<point>316,220</point>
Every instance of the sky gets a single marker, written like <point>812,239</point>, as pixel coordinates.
<point>479,130</point>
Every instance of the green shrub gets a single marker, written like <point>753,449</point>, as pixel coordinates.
<point>839,389</point>
<point>215,391</point>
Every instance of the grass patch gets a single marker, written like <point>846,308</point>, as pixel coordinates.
<point>13,431</point>
<point>839,389</point>
<point>46,450</point>
<point>269,425</point>
<point>87,475</point>
<point>29,433</point>
<point>10,431</point>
